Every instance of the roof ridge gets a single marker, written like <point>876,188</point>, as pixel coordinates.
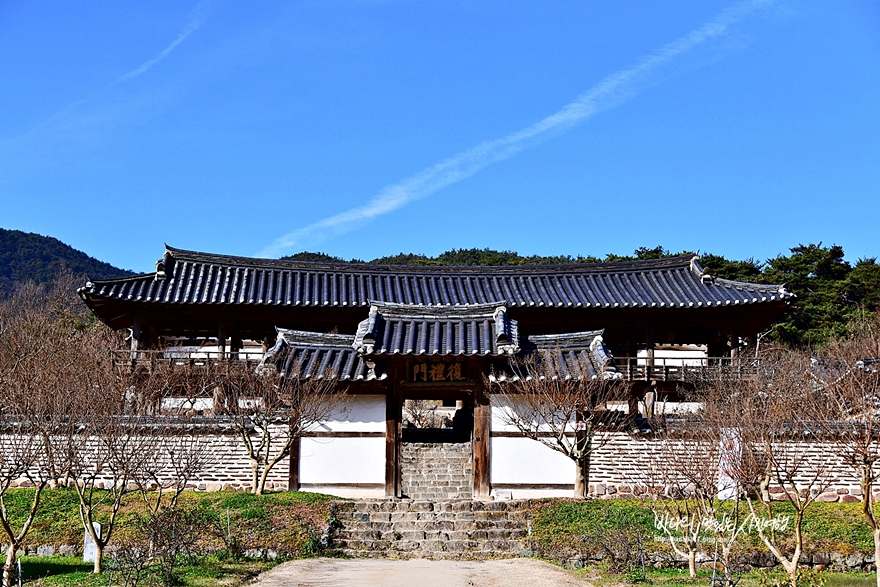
<point>564,335</point>
<point>437,311</point>
<point>664,262</point>
<point>309,338</point>
<point>774,287</point>
<point>701,272</point>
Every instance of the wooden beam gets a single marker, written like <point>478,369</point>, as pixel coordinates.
<point>482,443</point>
<point>393,417</point>
<point>293,475</point>
<point>344,434</point>
<point>564,486</point>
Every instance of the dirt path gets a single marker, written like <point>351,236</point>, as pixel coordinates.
<point>325,572</point>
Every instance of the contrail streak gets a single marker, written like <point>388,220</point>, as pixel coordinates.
<point>611,91</point>
<point>56,121</point>
<point>189,29</point>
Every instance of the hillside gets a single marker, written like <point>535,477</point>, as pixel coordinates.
<point>25,256</point>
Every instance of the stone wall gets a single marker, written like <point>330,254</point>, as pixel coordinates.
<point>626,466</point>
<point>227,466</point>
<point>436,471</point>
<point>620,468</point>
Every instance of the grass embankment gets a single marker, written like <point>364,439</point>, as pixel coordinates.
<point>236,532</point>
<point>290,524</point>
<point>617,530</point>
<point>564,526</point>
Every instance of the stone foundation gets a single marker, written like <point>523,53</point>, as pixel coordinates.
<point>436,471</point>
<point>635,491</point>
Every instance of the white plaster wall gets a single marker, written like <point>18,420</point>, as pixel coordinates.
<point>188,403</point>
<point>693,356</point>
<point>342,460</point>
<point>501,408</point>
<point>359,413</point>
<point>523,460</point>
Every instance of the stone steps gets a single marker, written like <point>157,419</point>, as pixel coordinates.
<point>444,529</point>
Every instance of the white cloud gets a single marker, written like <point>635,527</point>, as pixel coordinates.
<point>611,91</point>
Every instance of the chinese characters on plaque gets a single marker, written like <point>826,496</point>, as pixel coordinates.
<point>437,373</point>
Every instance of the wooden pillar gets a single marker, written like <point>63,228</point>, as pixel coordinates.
<point>293,475</point>
<point>650,399</point>
<point>221,340</point>
<point>393,417</point>
<point>649,346</point>
<point>715,346</point>
<point>632,403</point>
<point>136,335</point>
<point>734,342</point>
<point>482,442</point>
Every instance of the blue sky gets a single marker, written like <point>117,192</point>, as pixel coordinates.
<point>367,128</point>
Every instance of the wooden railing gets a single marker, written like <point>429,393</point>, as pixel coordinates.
<point>185,357</point>
<point>633,368</point>
<point>684,369</point>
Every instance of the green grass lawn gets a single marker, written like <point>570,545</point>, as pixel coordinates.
<point>599,576</point>
<point>70,571</point>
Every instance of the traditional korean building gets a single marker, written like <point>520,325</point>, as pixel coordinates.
<point>397,333</point>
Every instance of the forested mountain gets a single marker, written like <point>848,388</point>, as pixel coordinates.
<point>831,292</point>
<point>474,257</point>
<point>25,256</point>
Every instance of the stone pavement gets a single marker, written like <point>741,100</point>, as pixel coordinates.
<point>522,572</point>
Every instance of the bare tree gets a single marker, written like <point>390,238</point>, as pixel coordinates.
<point>565,409</point>
<point>727,517</point>
<point>44,325</point>
<point>180,453</point>
<point>769,412</point>
<point>421,413</point>
<point>849,373</point>
<point>38,350</point>
<point>683,485</point>
<point>271,411</point>
<point>110,447</point>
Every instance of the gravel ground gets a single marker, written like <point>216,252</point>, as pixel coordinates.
<point>324,572</point>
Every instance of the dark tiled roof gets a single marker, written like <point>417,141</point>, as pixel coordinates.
<point>578,355</point>
<point>312,354</point>
<point>185,277</point>
<point>444,330</point>
<point>483,329</point>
